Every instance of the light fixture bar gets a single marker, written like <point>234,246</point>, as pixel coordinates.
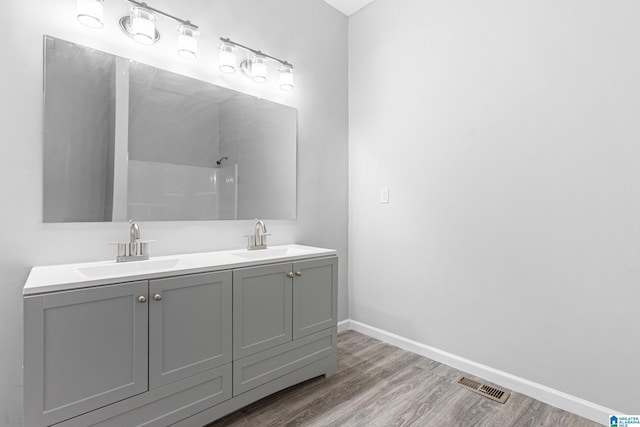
<point>159,12</point>
<point>255,52</point>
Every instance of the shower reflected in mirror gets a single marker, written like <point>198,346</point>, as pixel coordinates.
<point>127,140</point>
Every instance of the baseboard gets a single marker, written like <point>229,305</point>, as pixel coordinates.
<point>545,394</point>
<point>344,325</point>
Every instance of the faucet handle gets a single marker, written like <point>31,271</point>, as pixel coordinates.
<point>122,248</point>
<point>251,241</point>
<point>263,240</point>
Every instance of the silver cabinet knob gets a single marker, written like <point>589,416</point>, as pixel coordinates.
<point>157,297</point>
<point>290,275</point>
<point>142,299</point>
<point>299,274</point>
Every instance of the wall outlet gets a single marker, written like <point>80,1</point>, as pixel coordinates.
<point>384,195</point>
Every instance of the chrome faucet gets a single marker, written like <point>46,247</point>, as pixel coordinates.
<point>260,227</point>
<point>134,231</point>
<point>134,237</point>
<point>258,240</point>
<point>135,250</point>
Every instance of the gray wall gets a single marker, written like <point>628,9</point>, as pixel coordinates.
<point>508,134</point>
<point>308,33</point>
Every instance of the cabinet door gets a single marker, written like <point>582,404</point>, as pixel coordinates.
<point>262,300</point>
<point>190,327</point>
<point>315,296</point>
<point>84,349</point>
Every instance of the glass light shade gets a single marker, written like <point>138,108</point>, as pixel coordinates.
<point>286,77</point>
<point>227,58</point>
<point>143,25</point>
<point>90,13</point>
<point>187,42</point>
<point>258,69</point>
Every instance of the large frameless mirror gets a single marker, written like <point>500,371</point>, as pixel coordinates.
<point>124,140</point>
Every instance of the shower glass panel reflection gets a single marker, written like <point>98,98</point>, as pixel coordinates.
<point>170,192</point>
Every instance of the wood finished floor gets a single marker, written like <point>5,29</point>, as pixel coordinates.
<point>381,385</point>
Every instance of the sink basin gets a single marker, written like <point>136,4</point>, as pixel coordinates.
<point>135,267</point>
<point>272,253</point>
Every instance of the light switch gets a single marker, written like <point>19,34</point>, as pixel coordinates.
<point>384,194</point>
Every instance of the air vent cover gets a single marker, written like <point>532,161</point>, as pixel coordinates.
<point>486,390</point>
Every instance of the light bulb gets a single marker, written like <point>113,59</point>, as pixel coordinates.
<point>286,77</point>
<point>227,58</point>
<point>90,12</point>
<point>258,69</point>
<point>143,25</point>
<point>187,42</point>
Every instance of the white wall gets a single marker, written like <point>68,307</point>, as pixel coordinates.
<point>293,29</point>
<point>508,134</point>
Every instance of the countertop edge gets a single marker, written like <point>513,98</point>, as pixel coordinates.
<point>34,287</point>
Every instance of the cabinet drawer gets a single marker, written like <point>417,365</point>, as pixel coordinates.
<point>268,365</point>
<point>165,405</point>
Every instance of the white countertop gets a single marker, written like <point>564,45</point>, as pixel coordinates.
<point>76,276</point>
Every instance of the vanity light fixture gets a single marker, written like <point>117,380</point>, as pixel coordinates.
<point>187,42</point>
<point>140,24</point>
<point>286,77</point>
<point>255,65</point>
<point>90,12</point>
<point>227,58</point>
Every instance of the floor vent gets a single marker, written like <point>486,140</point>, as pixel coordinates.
<point>486,390</point>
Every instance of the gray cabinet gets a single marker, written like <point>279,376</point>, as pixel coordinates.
<point>88,348</point>
<point>262,309</point>
<point>284,318</point>
<point>181,350</point>
<point>315,296</point>
<point>189,326</point>
<point>83,349</point>
<point>277,303</point>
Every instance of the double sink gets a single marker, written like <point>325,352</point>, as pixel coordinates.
<point>186,261</point>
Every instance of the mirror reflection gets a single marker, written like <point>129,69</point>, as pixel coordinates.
<point>126,140</point>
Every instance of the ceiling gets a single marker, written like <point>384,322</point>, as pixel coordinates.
<point>348,7</point>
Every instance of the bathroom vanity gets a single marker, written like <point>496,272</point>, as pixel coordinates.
<point>179,340</point>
